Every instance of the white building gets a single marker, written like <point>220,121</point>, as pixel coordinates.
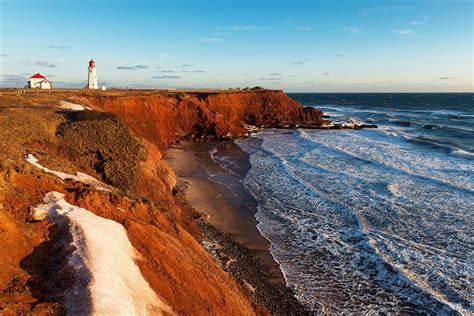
<point>92,78</point>
<point>39,81</point>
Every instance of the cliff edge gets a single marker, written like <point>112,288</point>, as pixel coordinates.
<point>118,141</point>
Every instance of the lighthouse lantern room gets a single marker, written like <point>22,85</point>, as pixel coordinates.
<point>92,79</point>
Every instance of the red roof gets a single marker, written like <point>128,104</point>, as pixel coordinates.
<point>38,76</point>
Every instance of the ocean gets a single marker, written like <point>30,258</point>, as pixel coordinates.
<point>376,220</point>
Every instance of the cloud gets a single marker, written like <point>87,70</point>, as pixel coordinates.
<point>248,28</point>
<point>305,28</point>
<point>198,71</point>
<point>163,56</point>
<point>404,32</point>
<point>167,77</point>
<point>40,63</point>
<point>132,67</point>
<point>423,18</point>
<point>297,63</point>
<point>58,47</point>
<point>326,73</point>
<point>274,74</point>
<point>213,40</point>
<point>168,71</point>
<point>445,78</point>
<point>3,55</point>
<point>338,55</point>
<point>353,29</point>
<point>270,79</point>
<point>185,65</point>
<point>13,78</point>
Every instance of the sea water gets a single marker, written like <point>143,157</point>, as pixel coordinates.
<point>372,221</point>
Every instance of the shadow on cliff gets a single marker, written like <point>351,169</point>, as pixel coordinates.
<point>52,279</point>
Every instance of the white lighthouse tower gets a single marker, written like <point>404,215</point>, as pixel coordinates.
<point>92,80</point>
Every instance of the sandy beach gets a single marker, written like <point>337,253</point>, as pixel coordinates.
<point>210,175</point>
<point>217,191</point>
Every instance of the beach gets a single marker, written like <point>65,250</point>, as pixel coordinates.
<point>210,174</point>
<point>218,192</point>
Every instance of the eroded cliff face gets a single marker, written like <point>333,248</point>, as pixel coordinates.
<point>163,119</point>
<point>159,224</point>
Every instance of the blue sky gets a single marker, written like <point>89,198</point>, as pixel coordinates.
<point>303,46</point>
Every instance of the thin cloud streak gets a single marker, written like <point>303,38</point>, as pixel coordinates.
<point>305,28</point>
<point>213,40</point>
<point>58,47</point>
<point>167,77</point>
<point>41,63</point>
<point>404,32</point>
<point>353,29</point>
<point>132,67</point>
<point>248,28</point>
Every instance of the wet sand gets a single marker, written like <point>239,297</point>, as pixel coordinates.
<point>214,187</point>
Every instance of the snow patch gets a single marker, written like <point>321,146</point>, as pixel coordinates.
<point>102,251</point>
<point>70,106</point>
<point>82,177</point>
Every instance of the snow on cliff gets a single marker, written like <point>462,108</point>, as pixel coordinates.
<point>104,262</point>
<point>82,177</point>
<point>70,106</point>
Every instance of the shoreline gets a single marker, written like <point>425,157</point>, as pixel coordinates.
<point>227,219</point>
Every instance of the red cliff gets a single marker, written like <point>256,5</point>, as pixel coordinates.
<point>160,225</point>
<point>164,118</point>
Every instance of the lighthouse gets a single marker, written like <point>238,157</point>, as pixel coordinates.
<point>92,80</point>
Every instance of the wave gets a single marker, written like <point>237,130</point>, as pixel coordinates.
<point>463,153</point>
<point>409,112</point>
<point>308,212</point>
<point>453,114</point>
<point>397,156</point>
<point>226,163</point>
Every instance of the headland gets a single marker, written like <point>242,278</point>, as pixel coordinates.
<point>120,138</point>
